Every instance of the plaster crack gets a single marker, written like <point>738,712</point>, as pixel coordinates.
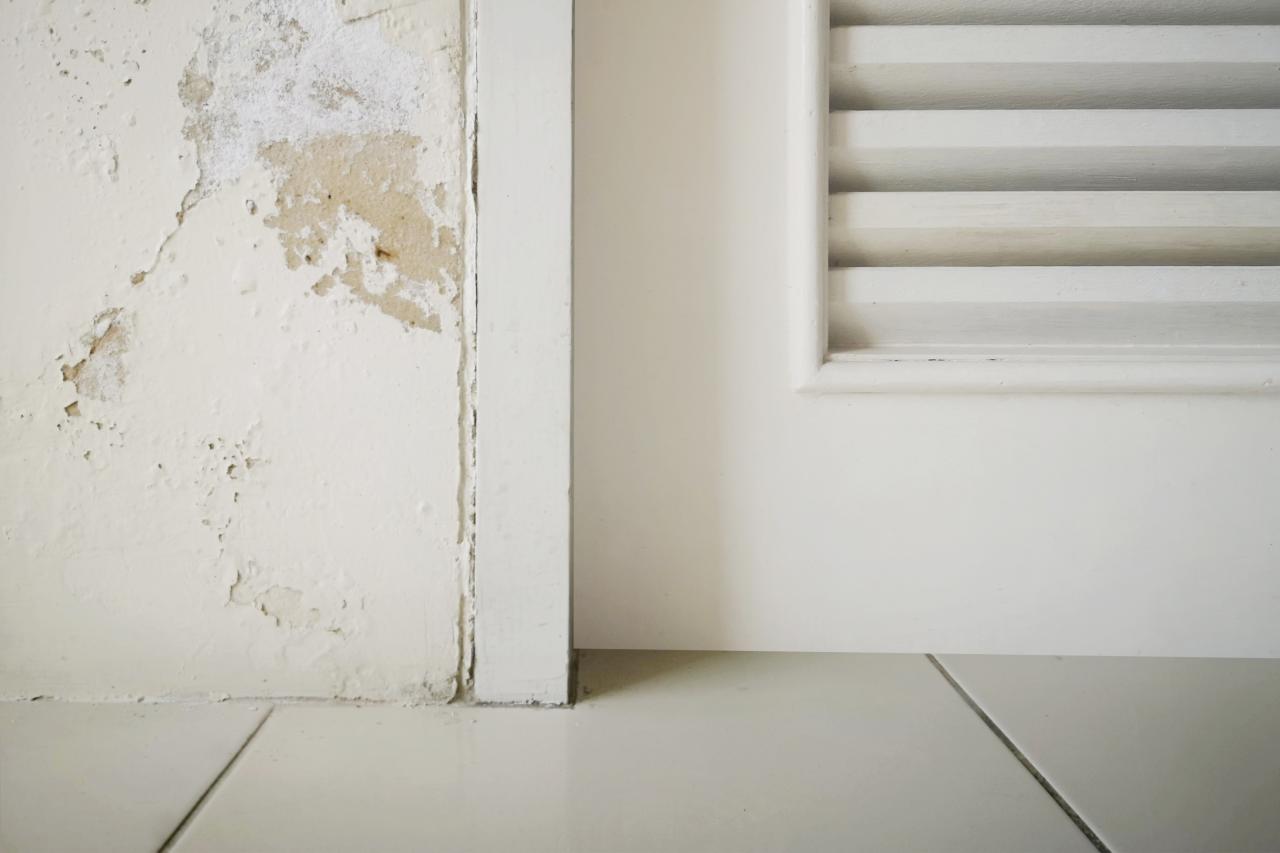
<point>464,680</point>
<point>189,200</point>
<point>377,9</point>
<point>364,17</point>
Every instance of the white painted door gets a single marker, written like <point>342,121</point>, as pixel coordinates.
<point>717,507</point>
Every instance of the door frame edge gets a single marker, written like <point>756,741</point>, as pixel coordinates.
<point>524,327</point>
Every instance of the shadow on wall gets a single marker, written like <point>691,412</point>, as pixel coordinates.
<point>654,174</point>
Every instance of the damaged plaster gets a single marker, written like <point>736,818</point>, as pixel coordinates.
<point>327,103</point>
<point>358,197</point>
<point>293,71</point>
<point>235,422</point>
<point>100,374</point>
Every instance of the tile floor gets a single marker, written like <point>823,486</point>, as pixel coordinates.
<point>682,751</point>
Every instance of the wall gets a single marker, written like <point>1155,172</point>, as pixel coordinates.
<point>235,408</point>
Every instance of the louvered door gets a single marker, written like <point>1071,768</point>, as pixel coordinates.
<point>992,245</point>
<point>1038,194</point>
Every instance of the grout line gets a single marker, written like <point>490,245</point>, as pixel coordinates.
<point>1079,821</point>
<point>195,809</point>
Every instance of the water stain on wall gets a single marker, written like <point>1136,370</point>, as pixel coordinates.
<point>411,260</point>
<point>341,131</point>
<point>326,104</point>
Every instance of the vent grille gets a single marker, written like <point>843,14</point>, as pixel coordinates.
<point>1050,175</point>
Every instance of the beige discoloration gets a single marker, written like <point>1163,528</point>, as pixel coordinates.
<point>100,374</point>
<point>194,90</point>
<point>390,302</point>
<point>412,261</point>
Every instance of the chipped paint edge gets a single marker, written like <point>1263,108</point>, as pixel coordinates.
<point>467,414</point>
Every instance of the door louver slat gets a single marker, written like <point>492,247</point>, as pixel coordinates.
<point>1054,228</point>
<point>936,150</point>
<point>848,12</point>
<point>1055,67</point>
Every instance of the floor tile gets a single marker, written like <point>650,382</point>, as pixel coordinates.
<point>666,751</point>
<point>1157,755</point>
<point>109,777</point>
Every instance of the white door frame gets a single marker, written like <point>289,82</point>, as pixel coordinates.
<point>524,170</point>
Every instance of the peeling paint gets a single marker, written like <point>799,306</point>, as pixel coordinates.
<point>292,71</point>
<point>96,156</point>
<point>283,605</point>
<point>317,80</point>
<point>403,262</point>
<point>101,373</point>
<point>179,412</point>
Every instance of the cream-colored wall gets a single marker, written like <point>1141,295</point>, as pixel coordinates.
<point>234,424</point>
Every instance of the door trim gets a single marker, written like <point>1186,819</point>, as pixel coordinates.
<point>523,351</point>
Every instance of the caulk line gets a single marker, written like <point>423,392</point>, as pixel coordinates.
<point>190,815</point>
<point>1057,797</point>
